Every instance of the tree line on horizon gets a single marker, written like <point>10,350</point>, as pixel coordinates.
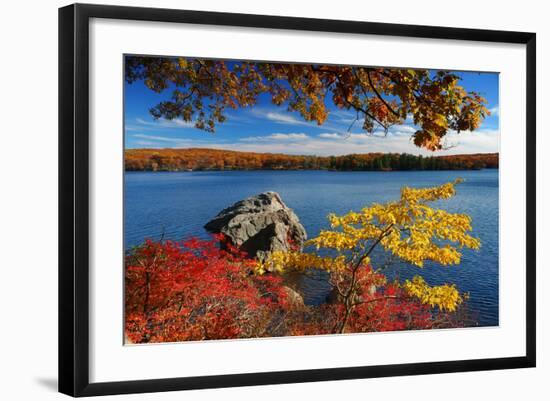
<point>197,159</point>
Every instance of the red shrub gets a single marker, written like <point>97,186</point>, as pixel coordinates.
<point>194,291</point>
<point>378,307</point>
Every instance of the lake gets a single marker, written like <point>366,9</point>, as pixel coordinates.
<point>176,205</point>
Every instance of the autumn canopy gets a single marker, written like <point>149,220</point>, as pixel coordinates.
<point>202,90</point>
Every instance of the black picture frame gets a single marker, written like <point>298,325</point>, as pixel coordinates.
<point>74,198</point>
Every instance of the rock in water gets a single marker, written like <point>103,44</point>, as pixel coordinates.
<point>259,225</point>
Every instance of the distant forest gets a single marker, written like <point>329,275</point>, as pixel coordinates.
<point>196,159</point>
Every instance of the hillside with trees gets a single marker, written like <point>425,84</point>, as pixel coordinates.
<point>197,159</point>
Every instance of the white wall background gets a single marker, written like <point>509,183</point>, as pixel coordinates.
<point>28,200</point>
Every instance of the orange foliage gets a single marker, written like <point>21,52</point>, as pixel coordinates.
<point>201,90</point>
<point>216,159</point>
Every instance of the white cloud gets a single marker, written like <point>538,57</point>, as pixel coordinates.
<point>494,110</point>
<point>342,116</point>
<point>331,135</point>
<point>355,138</point>
<point>333,143</point>
<point>288,136</point>
<point>480,141</point>
<point>156,138</point>
<point>281,118</point>
<point>159,141</point>
<point>339,121</point>
<point>276,137</point>
<point>466,142</point>
<point>402,130</point>
<point>147,144</point>
<point>164,123</point>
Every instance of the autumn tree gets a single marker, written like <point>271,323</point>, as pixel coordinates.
<point>216,159</point>
<point>201,90</point>
<point>408,229</point>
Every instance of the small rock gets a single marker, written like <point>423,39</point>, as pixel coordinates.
<point>294,298</point>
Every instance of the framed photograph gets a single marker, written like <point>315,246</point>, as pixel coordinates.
<point>249,199</point>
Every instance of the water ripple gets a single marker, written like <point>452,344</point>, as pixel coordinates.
<point>177,205</point>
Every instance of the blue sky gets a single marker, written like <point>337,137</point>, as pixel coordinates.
<point>268,128</point>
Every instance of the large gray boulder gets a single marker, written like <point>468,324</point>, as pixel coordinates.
<point>259,225</point>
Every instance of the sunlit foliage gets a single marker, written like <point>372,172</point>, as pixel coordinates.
<point>201,90</point>
<point>408,229</point>
<point>444,296</point>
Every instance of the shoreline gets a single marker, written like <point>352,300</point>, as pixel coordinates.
<point>192,159</point>
<point>302,170</point>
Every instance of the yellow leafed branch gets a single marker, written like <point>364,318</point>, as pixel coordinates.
<point>409,229</point>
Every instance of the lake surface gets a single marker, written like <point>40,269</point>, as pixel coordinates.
<point>176,205</point>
